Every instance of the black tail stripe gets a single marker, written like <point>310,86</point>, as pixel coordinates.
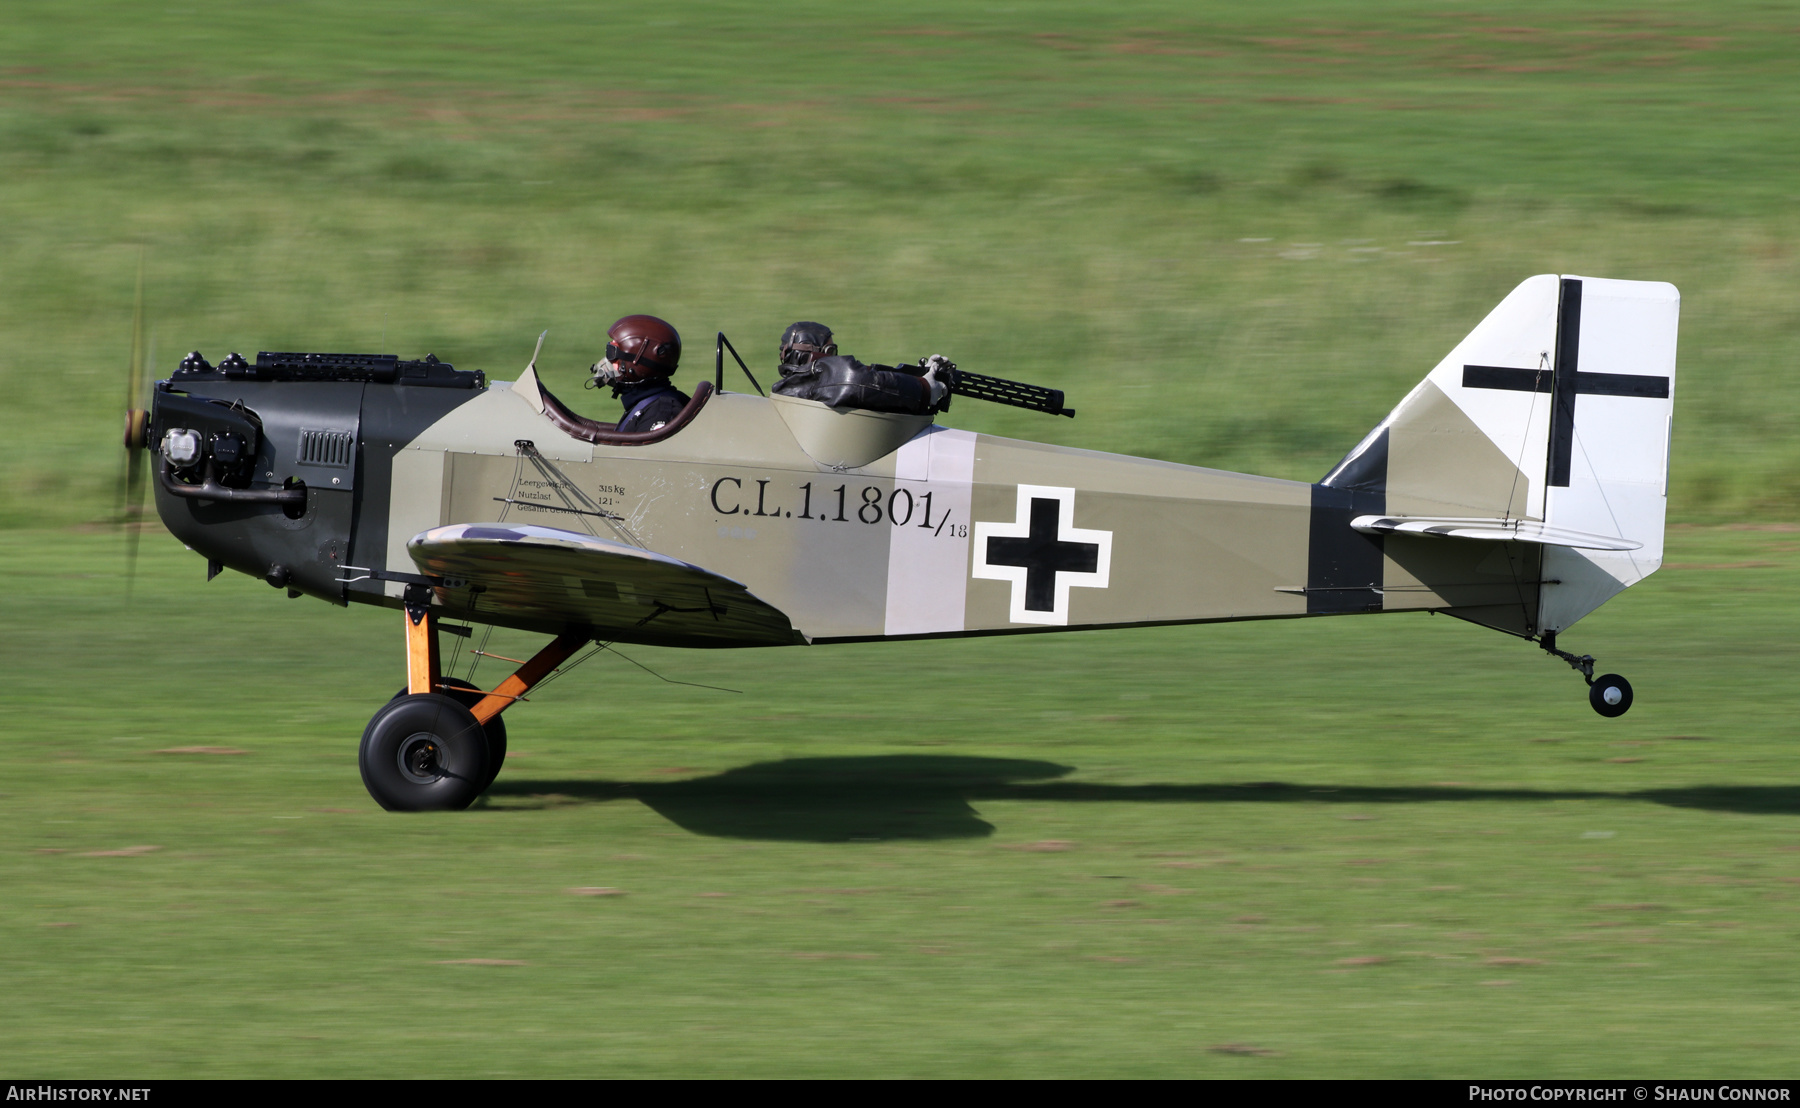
<point>1622,384</point>
<point>1562,404</point>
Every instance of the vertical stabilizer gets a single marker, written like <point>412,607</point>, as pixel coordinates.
<point>1607,456</point>
<point>1556,411</point>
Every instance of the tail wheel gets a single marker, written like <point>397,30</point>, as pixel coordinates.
<point>1610,695</point>
<point>424,752</point>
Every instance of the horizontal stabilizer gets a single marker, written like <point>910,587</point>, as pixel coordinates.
<point>619,592</point>
<point>1491,530</point>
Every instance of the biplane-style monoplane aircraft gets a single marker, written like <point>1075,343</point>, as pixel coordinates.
<point>1519,486</point>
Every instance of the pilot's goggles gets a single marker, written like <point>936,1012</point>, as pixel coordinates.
<point>812,350</point>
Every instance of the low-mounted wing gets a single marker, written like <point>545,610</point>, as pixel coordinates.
<point>620,592</point>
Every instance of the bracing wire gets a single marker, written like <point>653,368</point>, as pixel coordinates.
<point>518,475</point>
<point>670,680</point>
<point>570,493</point>
<point>1518,472</point>
<point>512,493</point>
<point>567,666</point>
<point>479,652</point>
<point>1601,485</point>
<point>1525,436</point>
<point>607,646</point>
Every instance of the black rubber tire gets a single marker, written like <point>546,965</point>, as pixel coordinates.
<point>468,696</point>
<point>424,753</point>
<point>1610,695</point>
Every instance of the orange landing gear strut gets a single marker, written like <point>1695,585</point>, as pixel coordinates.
<point>541,665</point>
<point>424,668</point>
<point>420,755</point>
<point>424,671</point>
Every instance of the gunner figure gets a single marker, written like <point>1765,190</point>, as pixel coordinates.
<point>812,369</point>
<point>642,352</point>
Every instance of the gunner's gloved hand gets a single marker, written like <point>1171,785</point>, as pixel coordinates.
<point>935,366</point>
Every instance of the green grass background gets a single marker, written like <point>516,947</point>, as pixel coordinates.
<point>1235,233</point>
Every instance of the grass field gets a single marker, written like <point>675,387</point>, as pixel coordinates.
<point>1235,233</point>
<point>1399,846</point>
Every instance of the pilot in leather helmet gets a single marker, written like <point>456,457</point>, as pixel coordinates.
<point>812,369</point>
<point>802,342</point>
<point>642,352</point>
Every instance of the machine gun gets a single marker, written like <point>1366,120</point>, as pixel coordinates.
<point>998,390</point>
<point>977,386</point>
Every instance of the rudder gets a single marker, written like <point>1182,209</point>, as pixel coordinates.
<point>1546,430</point>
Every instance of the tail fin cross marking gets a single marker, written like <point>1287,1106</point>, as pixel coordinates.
<point>1565,383</point>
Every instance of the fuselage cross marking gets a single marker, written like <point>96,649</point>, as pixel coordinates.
<point>1042,554</point>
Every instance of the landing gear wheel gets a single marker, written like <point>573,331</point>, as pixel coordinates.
<point>424,752</point>
<point>1610,695</point>
<point>468,696</point>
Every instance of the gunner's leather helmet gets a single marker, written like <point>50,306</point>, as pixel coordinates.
<point>802,342</point>
<point>638,348</point>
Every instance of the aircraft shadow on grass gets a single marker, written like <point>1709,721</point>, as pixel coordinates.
<point>925,796</point>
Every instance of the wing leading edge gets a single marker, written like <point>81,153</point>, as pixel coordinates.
<point>543,575</point>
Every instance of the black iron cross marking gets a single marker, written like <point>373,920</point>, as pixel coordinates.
<point>1042,556</point>
<point>1564,382</point>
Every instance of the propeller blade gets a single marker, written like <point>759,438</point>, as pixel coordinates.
<point>131,487</point>
<point>147,376</point>
<point>134,380</point>
<point>134,481</point>
<point>131,395</point>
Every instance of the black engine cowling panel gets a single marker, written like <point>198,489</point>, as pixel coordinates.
<point>304,433</point>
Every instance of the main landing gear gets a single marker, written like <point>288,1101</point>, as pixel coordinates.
<point>1609,693</point>
<point>440,742</point>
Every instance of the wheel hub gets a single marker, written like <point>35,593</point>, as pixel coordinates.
<point>421,758</point>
